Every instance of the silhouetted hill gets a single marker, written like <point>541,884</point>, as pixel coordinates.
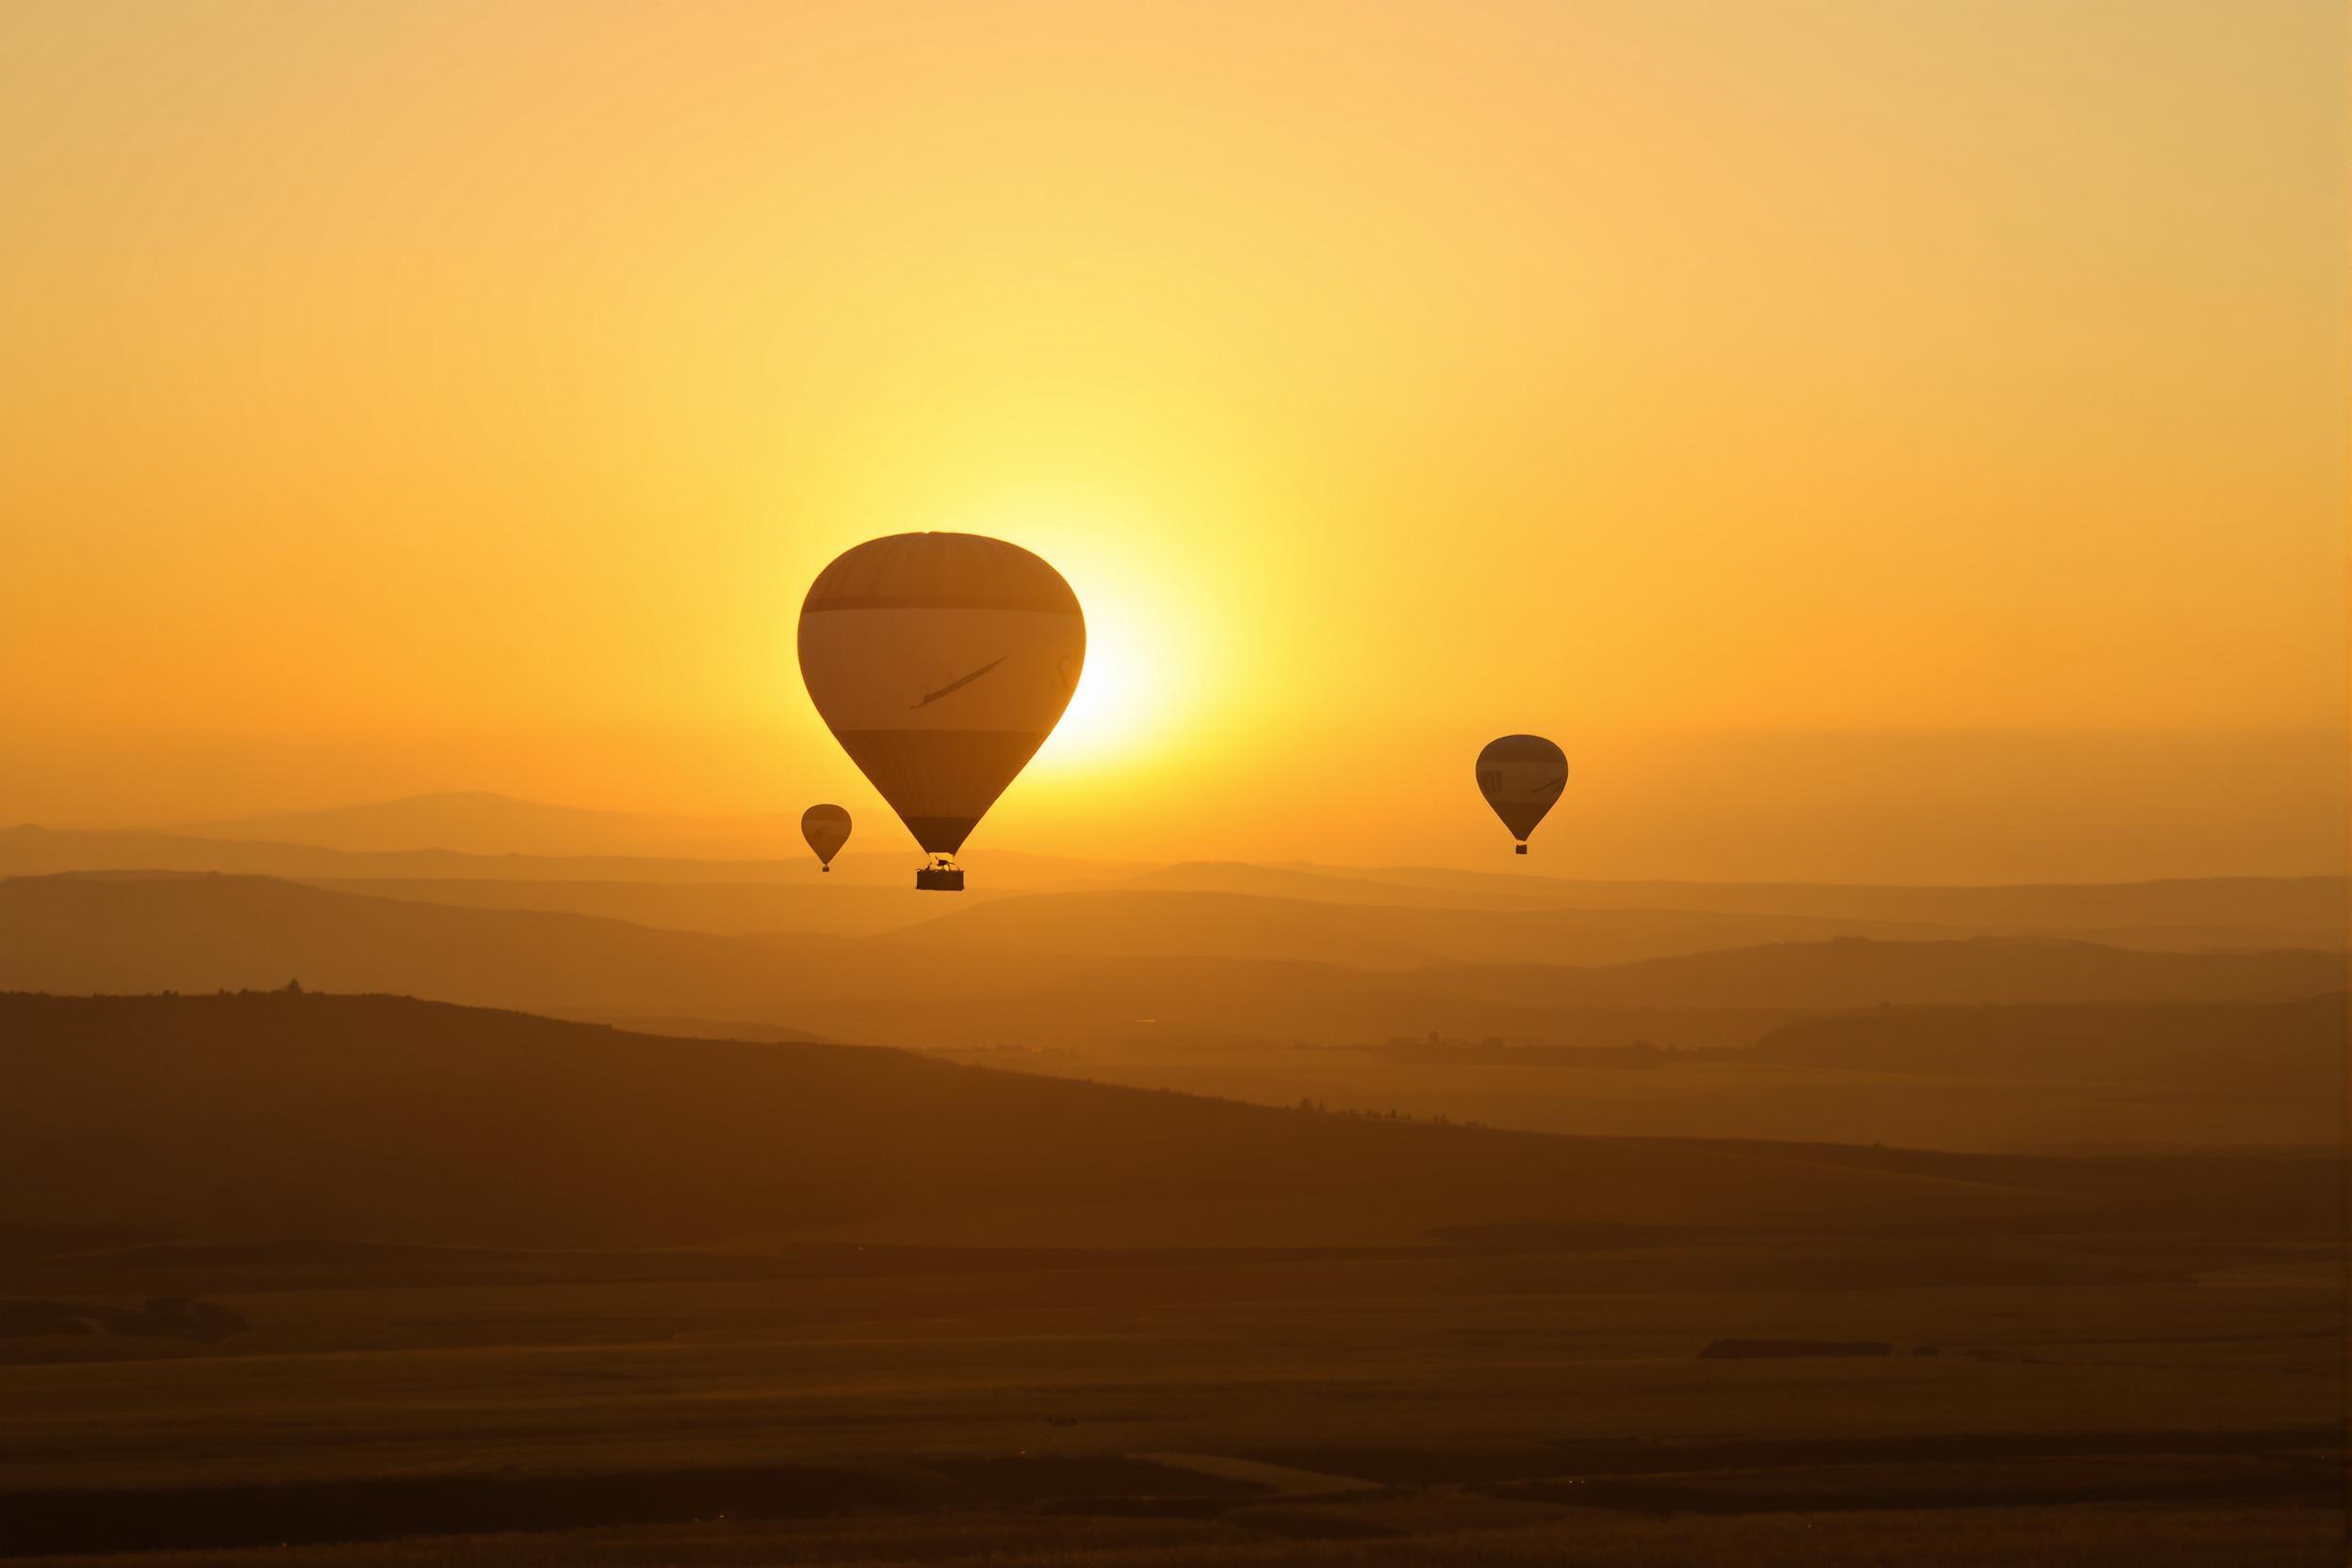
<point>835,907</point>
<point>131,933</point>
<point>127,932</point>
<point>382,1118</point>
<point>1122,923</point>
<point>2280,1047</point>
<point>2179,914</point>
<point>204,933</point>
<point>1850,973</point>
<point>1407,909</point>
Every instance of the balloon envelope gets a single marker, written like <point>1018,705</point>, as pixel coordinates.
<point>940,662</point>
<point>1521,775</point>
<point>826,828</point>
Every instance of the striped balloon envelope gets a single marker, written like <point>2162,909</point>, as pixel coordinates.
<point>826,828</point>
<point>1521,775</point>
<point>940,662</point>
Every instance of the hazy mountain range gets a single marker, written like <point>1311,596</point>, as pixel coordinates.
<point>744,876</point>
<point>481,823</point>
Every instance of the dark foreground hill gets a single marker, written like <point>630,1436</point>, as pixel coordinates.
<point>128,933</point>
<point>382,1118</point>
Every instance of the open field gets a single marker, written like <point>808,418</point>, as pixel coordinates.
<point>1237,1402</point>
<point>2255,1535</point>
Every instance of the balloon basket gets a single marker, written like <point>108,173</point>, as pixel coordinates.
<point>1521,850</point>
<point>939,879</point>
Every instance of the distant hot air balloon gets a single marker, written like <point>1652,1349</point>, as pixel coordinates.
<point>826,828</point>
<point>1521,775</point>
<point>940,662</point>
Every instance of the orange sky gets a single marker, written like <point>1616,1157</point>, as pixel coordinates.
<point>1876,439</point>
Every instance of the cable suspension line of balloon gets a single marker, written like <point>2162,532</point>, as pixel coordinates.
<point>941,663</point>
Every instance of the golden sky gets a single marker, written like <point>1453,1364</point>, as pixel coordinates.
<point>1876,439</point>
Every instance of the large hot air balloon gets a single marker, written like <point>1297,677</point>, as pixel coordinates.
<point>826,828</point>
<point>940,662</point>
<point>1521,775</point>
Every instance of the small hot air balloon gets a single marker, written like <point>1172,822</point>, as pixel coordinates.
<point>826,828</point>
<point>1521,775</point>
<point>940,662</point>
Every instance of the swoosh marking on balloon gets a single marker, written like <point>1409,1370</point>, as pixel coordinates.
<point>930,698</point>
<point>1553,787</point>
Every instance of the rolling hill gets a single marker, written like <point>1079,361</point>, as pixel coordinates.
<point>484,824</point>
<point>840,905</point>
<point>127,932</point>
<point>2275,1048</point>
<point>206,932</point>
<point>1851,973</point>
<point>2177,914</point>
<point>1130,922</point>
<point>1415,914</point>
<point>387,1118</point>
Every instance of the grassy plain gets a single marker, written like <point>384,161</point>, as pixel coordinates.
<point>2175,1397</point>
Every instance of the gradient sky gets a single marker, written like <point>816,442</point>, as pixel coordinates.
<point>1879,440</point>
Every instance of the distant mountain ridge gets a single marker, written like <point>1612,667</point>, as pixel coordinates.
<point>29,850</point>
<point>1417,914</point>
<point>478,821</point>
<point>481,823</point>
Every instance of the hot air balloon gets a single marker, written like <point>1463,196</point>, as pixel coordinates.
<point>826,828</point>
<point>940,662</point>
<point>1521,775</point>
